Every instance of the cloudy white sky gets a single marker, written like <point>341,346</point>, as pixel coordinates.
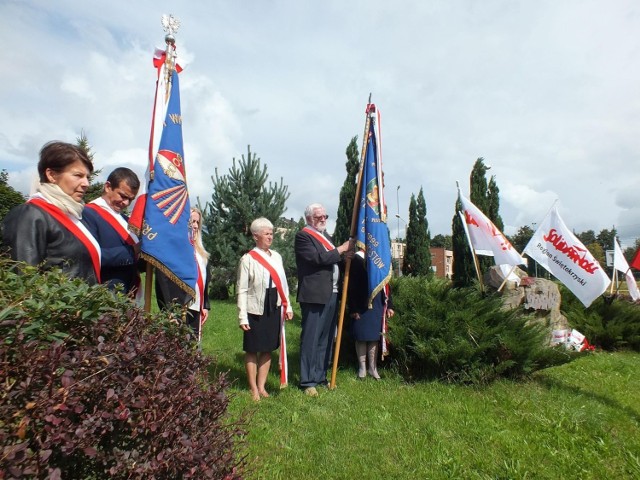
<point>546,91</point>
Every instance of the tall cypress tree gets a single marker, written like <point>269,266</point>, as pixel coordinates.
<point>347,194</point>
<point>238,198</point>
<point>480,198</point>
<point>478,186</point>
<point>407,264</point>
<point>463,269</point>
<point>417,260</point>
<point>493,211</point>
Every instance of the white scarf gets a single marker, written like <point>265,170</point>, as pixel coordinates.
<point>55,195</point>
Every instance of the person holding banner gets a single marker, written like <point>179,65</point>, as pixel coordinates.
<point>46,231</point>
<point>317,262</point>
<point>366,323</point>
<point>198,310</point>
<point>104,218</point>
<point>262,295</point>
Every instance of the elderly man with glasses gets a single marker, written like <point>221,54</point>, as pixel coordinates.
<point>317,262</point>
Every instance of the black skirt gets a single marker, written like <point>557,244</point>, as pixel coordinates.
<point>264,334</point>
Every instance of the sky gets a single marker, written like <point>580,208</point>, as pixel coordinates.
<point>545,91</point>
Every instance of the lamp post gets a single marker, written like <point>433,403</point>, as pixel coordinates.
<point>400,250</point>
<point>398,214</point>
<point>535,264</point>
<point>398,231</point>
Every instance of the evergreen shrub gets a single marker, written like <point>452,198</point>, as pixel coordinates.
<point>610,323</point>
<point>92,388</point>
<point>219,283</point>
<point>460,335</point>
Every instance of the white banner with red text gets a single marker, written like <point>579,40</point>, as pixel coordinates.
<point>559,251</point>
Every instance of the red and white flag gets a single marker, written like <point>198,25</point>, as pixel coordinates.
<point>620,263</point>
<point>160,105</point>
<point>635,263</point>
<point>486,238</point>
<point>559,251</point>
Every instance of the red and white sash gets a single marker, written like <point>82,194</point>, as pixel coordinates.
<point>120,225</point>
<point>75,227</point>
<point>117,221</point>
<point>277,275</point>
<point>201,265</point>
<point>326,243</point>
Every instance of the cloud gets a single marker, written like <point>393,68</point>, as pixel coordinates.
<point>545,92</point>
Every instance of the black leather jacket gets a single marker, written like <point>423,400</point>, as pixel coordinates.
<point>36,238</point>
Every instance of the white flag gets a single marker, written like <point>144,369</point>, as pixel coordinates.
<point>559,251</point>
<point>485,237</point>
<point>620,263</point>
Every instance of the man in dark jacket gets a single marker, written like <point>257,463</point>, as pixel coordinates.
<point>317,262</point>
<point>103,217</point>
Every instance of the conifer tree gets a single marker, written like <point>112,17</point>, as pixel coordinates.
<point>283,242</point>
<point>493,211</point>
<point>238,198</point>
<point>463,269</point>
<point>407,264</point>
<point>347,194</point>
<point>478,186</point>
<point>482,198</point>
<point>95,188</point>
<point>417,260</point>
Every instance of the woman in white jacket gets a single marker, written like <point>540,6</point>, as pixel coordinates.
<point>263,294</point>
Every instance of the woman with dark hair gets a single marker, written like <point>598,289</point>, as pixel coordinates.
<point>46,231</point>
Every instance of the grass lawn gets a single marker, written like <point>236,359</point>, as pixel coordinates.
<point>580,420</point>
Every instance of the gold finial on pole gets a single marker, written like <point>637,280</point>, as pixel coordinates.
<point>170,24</point>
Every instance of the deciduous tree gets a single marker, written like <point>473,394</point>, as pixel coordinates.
<point>9,196</point>
<point>442,241</point>
<point>519,241</point>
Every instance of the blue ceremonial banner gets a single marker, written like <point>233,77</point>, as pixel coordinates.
<point>373,234</point>
<point>164,239</point>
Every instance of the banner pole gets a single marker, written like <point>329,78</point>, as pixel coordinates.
<point>476,264</point>
<point>347,268</point>
<point>148,282</point>
<point>506,278</point>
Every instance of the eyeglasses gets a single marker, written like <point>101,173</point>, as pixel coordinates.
<point>321,217</point>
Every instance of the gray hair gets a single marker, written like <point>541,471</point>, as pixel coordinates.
<point>260,224</point>
<point>308,212</point>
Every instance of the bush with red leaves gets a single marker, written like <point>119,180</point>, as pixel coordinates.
<point>93,388</point>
